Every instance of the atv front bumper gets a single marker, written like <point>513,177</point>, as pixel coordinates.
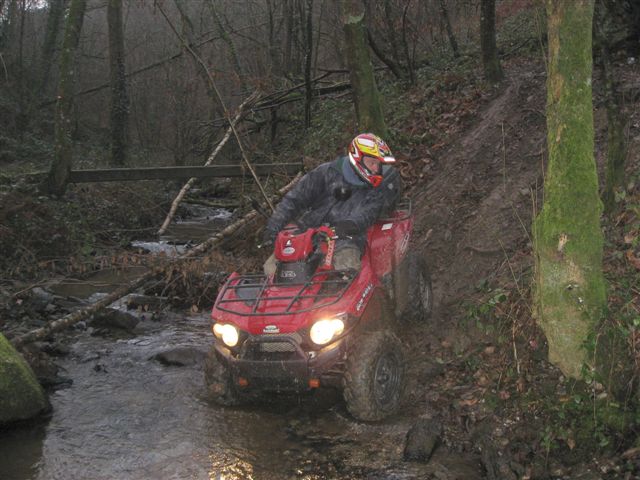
<point>263,368</point>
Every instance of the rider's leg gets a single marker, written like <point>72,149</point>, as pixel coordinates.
<point>270,266</point>
<point>347,256</point>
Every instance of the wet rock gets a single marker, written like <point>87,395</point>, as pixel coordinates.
<point>90,357</point>
<point>41,363</point>
<point>40,299</point>
<point>50,308</point>
<point>81,325</point>
<point>422,439</point>
<point>56,349</point>
<point>180,356</point>
<point>145,302</point>
<point>21,396</point>
<point>67,303</point>
<point>111,318</point>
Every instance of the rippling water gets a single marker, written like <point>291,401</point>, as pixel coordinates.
<point>127,416</point>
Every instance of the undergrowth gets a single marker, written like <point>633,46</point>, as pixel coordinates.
<point>599,413</point>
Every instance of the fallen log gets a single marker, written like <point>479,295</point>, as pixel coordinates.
<point>75,317</point>
<point>212,203</point>
<point>187,186</point>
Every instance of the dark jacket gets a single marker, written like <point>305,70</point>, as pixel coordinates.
<point>312,202</point>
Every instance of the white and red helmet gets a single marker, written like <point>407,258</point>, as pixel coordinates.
<point>367,154</point>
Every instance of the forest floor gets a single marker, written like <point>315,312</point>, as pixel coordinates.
<point>479,366</point>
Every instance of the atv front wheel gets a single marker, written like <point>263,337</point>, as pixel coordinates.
<point>220,388</point>
<point>374,376</point>
<point>417,303</point>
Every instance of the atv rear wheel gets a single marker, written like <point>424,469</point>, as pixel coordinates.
<point>220,388</point>
<point>374,376</point>
<point>414,294</point>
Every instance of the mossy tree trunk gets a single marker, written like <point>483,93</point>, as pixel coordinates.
<point>617,119</point>
<point>570,289</point>
<point>492,69</point>
<point>365,91</point>
<point>119,98</point>
<point>57,179</point>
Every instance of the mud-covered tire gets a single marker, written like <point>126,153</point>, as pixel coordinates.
<point>418,299</point>
<point>218,381</point>
<point>373,381</point>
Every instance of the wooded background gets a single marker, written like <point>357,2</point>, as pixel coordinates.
<point>88,83</point>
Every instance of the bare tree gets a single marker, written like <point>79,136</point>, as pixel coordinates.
<point>365,91</point>
<point>119,97</point>
<point>492,69</point>
<point>307,63</point>
<point>56,12</point>
<point>447,23</point>
<point>231,47</point>
<point>57,179</point>
<point>617,119</point>
<point>387,29</point>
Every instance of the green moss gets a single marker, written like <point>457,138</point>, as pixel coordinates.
<point>21,396</point>
<point>570,294</point>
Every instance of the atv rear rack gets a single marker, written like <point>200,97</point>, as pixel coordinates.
<point>252,290</point>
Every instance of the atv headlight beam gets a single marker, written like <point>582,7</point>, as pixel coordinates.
<point>325,330</point>
<point>227,332</point>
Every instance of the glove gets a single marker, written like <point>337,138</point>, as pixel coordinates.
<point>268,238</point>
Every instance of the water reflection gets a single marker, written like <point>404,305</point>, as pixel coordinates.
<point>19,444</point>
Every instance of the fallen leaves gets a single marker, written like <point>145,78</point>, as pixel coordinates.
<point>630,237</point>
<point>633,260</point>
<point>504,395</point>
<point>490,350</point>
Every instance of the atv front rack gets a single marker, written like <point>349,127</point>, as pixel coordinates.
<point>253,291</point>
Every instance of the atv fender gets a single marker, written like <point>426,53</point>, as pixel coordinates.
<point>412,291</point>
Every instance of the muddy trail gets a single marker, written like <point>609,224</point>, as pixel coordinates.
<point>475,215</point>
<point>136,409</point>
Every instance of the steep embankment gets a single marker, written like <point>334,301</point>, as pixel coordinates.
<point>479,202</point>
<point>478,208</point>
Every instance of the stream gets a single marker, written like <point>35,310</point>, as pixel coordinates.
<point>126,415</point>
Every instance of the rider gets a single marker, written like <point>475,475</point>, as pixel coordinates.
<point>354,190</point>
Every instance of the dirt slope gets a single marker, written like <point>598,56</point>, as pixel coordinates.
<point>478,206</point>
<point>479,203</point>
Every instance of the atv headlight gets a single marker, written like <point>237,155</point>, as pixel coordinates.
<point>323,331</point>
<point>227,332</point>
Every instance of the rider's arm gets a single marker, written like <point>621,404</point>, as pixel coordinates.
<point>301,197</point>
<point>380,200</point>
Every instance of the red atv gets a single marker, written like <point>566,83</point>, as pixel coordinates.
<point>310,326</point>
